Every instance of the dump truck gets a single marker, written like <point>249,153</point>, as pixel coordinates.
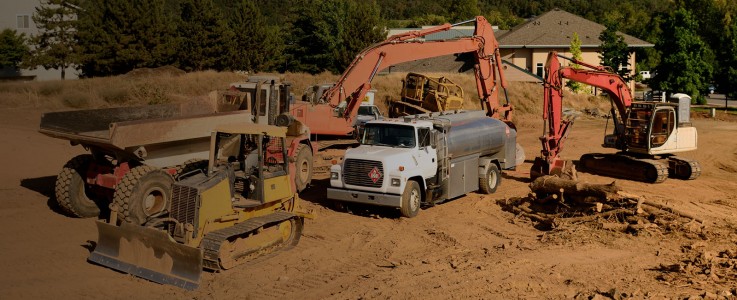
<point>242,207</point>
<point>423,94</point>
<point>136,152</point>
<point>423,160</point>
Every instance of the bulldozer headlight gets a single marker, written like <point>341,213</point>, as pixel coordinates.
<point>395,181</point>
<point>334,176</point>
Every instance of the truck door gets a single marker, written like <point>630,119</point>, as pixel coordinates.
<point>427,157</point>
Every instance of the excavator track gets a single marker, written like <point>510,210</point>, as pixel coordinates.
<point>624,166</point>
<point>216,245</point>
<point>683,168</point>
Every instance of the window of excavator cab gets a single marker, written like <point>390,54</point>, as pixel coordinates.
<point>663,123</point>
<point>390,135</point>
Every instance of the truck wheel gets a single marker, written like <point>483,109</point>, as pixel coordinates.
<point>142,193</point>
<point>303,166</point>
<point>491,180</point>
<point>71,191</point>
<point>411,199</point>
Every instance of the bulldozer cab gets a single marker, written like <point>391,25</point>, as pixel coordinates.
<point>257,157</point>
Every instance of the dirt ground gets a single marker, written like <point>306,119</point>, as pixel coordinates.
<point>465,248</point>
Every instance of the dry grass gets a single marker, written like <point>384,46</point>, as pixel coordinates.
<point>162,87</point>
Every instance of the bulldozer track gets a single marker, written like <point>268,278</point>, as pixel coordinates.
<point>213,241</point>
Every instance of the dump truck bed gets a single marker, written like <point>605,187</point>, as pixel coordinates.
<point>162,130</point>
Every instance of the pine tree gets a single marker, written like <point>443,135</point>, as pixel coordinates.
<point>315,36</point>
<point>362,27</point>
<point>55,47</point>
<point>117,36</point>
<point>259,46</point>
<point>575,49</point>
<point>684,66</point>
<point>13,48</point>
<point>614,51</point>
<point>206,42</point>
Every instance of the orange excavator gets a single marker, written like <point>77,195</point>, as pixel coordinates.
<point>646,133</point>
<point>335,111</point>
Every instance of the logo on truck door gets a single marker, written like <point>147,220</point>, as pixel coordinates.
<point>375,175</point>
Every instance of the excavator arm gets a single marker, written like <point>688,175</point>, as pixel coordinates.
<point>356,80</point>
<point>557,127</point>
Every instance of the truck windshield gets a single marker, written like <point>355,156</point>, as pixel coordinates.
<point>367,110</point>
<point>392,135</point>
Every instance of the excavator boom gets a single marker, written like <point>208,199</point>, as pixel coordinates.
<point>356,80</point>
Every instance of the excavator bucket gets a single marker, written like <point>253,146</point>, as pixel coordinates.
<point>147,253</point>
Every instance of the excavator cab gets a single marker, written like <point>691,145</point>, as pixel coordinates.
<point>652,126</point>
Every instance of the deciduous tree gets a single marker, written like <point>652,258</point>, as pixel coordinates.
<point>684,63</point>
<point>614,51</point>
<point>575,49</point>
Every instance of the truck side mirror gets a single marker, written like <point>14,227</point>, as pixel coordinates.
<point>434,139</point>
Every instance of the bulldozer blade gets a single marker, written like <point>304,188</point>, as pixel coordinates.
<point>147,253</point>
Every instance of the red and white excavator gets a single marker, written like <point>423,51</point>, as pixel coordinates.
<point>646,133</point>
<point>335,111</point>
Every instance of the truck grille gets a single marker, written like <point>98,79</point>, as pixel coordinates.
<point>358,172</point>
<point>184,204</point>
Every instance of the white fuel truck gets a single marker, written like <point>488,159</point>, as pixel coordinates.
<point>424,159</point>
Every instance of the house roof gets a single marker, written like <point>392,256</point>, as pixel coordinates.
<point>554,29</point>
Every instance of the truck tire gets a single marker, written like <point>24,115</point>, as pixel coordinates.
<point>303,167</point>
<point>411,199</point>
<point>491,179</point>
<point>71,190</point>
<point>142,193</point>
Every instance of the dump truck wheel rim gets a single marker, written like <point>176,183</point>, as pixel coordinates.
<point>154,201</point>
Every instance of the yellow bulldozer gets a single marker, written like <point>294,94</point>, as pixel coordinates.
<point>242,207</point>
<point>422,94</point>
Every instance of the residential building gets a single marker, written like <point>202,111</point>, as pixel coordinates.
<point>18,15</point>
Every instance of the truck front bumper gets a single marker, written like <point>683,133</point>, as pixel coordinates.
<point>390,200</point>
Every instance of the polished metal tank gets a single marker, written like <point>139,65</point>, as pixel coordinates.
<point>470,132</point>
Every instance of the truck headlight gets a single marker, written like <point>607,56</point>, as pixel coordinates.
<point>333,175</point>
<point>395,181</point>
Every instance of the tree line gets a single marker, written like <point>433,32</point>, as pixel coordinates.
<point>696,40</point>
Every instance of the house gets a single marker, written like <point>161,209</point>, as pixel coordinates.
<point>18,15</point>
<point>528,44</point>
<point>525,48</point>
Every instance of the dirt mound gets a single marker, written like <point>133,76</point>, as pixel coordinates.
<point>151,72</point>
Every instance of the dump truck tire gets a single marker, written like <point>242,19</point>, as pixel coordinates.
<point>303,167</point>
<point>142,193</point>
<point>489,182</point>
<point>71,190</point>
<point>411,199</point>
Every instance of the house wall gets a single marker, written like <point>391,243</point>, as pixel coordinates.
<point>530,59</point>
<point>9,12</point>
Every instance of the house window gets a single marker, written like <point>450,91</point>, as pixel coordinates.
<point>539,70</point>
<point>23,21</point>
